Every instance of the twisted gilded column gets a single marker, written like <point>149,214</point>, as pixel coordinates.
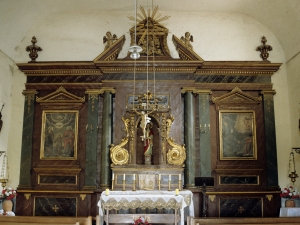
<point>27,137</point>
<point>189,137</point>
<point>91,139</point>
<point>106,138</point>
<point>204,123</point>
<point>271,149</point>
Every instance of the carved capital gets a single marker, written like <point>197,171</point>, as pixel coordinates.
<point>107,89</point>
<point>189,89</point>
<point>268,92</point>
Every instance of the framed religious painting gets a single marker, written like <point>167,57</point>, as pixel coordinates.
<point>59,135</point>
<point>237,135</point>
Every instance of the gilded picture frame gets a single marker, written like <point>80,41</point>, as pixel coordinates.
<point>237,130</point>
<point>59,135</point>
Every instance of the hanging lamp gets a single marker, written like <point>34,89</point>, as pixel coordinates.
<point>135,49</point>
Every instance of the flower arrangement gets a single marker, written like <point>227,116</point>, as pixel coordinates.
<point>8,193</point>
<point>290,192</point>
<point>141,221</point>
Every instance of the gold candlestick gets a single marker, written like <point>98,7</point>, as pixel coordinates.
<point>133,185</point>
<point>3,181</point>
<point>112,184</point>
<point>158,184</point>
<point>180,185</point>
<point>169,185</point>
<point>124,189</point>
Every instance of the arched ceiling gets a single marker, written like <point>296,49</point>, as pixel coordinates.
<point>282,17</point>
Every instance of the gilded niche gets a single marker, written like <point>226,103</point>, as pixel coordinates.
<point>148,120</point>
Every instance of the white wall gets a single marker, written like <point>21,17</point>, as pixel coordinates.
<point>77,36</point>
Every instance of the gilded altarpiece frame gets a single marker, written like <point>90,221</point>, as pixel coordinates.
<point>59,135</point>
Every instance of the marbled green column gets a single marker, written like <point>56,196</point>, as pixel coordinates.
<point>91,140</point>
<point>271,150</point>
<point>107,121</point>
<point>204,121</point>
<point>189,138</point>
<point>27,137</point>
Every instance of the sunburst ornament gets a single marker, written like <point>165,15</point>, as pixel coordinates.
<point>149,34</point>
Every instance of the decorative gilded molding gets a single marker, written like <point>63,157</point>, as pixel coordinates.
<point>61,97</point>
<point>83,196</point>
<point>269,197</point>
<point>184,52</point>
<point>27,196</point>
<point>211,197</point>
<point>236,96</point>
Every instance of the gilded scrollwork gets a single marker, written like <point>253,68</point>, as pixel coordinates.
<point>176,155</point>
<point>118,154</point>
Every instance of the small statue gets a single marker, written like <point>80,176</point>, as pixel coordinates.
<point>109,40</point>
<point>187,39</point>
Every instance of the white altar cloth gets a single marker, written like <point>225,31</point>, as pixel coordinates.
<point>147,199</point>
<point>289,212</point>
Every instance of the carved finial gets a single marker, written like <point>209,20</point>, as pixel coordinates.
<point>264,49</point>
<point>33,49</point>
<point>109,40</point>
<point>187,39</point>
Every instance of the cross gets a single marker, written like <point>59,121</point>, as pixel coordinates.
<point>55,208</point>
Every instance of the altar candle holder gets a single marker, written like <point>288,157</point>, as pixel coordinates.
<point>159,181</point>
<point>124,189</point>
<point>112,184</point>
<point>179,182</point>
<point>169,183</point>
<point>133,183</point>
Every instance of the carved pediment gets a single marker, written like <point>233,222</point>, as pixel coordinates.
<point>112,52</point>
<point>61,99</point>
<point>236,96</point>
<point>185,53</point>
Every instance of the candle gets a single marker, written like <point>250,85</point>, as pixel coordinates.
<point>106,191</point>
<point>170,177</point>
<point>113,176</point>
<point>176,191</point>
<point>124,176</point>
<point>159,177</point>
<point>179,176</point>
<point>133,177</point>
<point>209,125</point>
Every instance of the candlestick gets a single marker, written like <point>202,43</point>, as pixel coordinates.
<point>169,185</point>
<point>113,176</point>
<point>159,176</point>
<point>133,178</point>
<point>133,185</point>
<point>123,189</point>
<point>170,177</point>
<point>179,176</point>
<point>158,184</point>
<point>106,192</point>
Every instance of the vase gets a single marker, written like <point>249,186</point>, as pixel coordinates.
<point>7,205</point>
<point>290,203</point>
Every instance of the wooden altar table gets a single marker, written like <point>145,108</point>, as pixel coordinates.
<point>145,199</point>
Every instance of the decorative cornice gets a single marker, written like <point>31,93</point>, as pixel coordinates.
<point>195,90</point>
<point>272,92</point>
<point>29,92</point>
<point>107,89</point>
